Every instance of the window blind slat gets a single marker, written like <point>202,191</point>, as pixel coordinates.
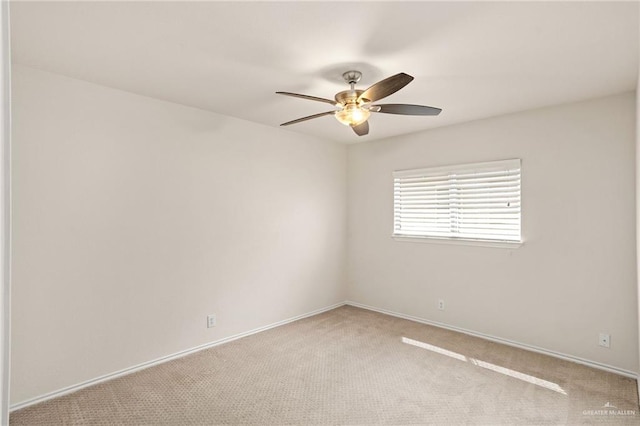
<point>445,188</point>
<point>447,176</point>
<point>514,191</point>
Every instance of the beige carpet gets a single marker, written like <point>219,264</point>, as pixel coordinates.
<point>351,366</point>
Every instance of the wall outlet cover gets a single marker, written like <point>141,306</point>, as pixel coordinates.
<point>604,340</point>
<point>211,320</point>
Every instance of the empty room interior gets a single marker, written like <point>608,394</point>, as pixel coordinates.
<point>320,213</point>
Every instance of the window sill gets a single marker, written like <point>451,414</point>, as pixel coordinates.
<point>459,241</point>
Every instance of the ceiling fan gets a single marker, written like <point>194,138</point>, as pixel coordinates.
<point>355,106</point>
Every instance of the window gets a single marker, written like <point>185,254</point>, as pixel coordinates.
<point>472,202</point>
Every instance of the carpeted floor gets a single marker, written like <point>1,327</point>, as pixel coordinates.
<point>351,366</point>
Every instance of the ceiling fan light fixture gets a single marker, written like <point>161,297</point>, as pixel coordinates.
<point>352,115</point>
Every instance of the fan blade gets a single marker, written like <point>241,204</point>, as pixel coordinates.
<point>311,98</point>
<point>405,109</point>
<point>308,118</point>
<point>386,87</point>
<point>361,129</point>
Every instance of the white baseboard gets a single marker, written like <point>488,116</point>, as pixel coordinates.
<point>77,387</point>
<point>508,342</point>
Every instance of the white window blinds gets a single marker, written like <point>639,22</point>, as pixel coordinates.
<point>473,201</point>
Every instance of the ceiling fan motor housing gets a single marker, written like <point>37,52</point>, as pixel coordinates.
<point>348,96</point>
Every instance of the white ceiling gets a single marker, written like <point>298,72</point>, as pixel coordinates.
<point>473,60</point>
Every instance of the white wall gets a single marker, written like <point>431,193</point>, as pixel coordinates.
<point>135,218</point>
<point>574,277</point>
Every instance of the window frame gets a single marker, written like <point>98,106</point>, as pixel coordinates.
<point>450,169</point>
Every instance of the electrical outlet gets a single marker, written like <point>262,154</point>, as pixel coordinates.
<point>211,320</point>
<point>441,304</point>
<point>604,340</point>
